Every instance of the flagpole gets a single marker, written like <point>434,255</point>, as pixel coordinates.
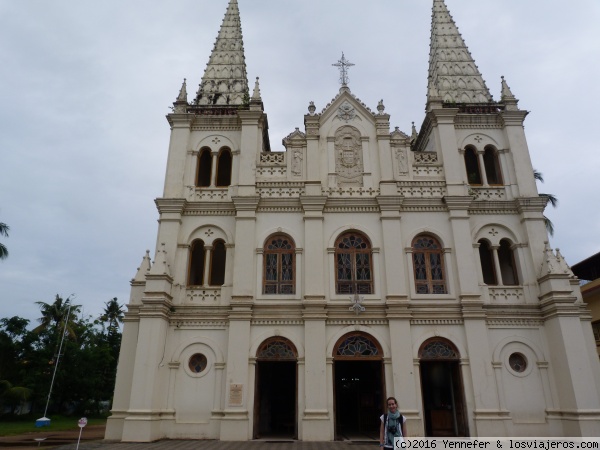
<point>57,361</point>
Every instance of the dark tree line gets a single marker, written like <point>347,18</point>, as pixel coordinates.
<point>85,375</point>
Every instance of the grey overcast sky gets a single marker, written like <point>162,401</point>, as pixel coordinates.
<point>85,87</point>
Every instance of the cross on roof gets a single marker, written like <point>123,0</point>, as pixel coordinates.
<point>343,64</point>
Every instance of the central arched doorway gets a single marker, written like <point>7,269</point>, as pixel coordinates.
<point>442,389</point>
<point>358,386</point>
<point>275,399</point>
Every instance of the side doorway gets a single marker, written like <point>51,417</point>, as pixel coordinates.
<point>442,389</point>
<point>358,387</point>
<point>276,390</point>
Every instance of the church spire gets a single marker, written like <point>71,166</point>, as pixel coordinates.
<point>452,69</point>
<point>225,81</point>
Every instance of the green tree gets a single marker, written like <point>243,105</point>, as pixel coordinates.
<point>14,396</point>
<point>4,229</point>
<point>113,314</point>
<point>550,199</point>
<point>54,315</point>
<point>15,346</point>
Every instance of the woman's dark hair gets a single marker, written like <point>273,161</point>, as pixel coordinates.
<point>391,398</point>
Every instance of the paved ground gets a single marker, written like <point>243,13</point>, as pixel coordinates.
<point>92,439</point>
<point>218,445</point>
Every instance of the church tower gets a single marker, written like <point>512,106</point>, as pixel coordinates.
<point>292,292</point>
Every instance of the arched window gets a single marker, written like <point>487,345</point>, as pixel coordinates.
<point>279,265</point>
<point>438,349</point>
<point>217,264</point>
<point>224,168</point>
<point>492,166</point>
<point>507,264</point>
<point>428,264</point>
<point>486,257</point>
<point>277,349</point>
<point>353,266</point>
<point>196,266</point>
<point>357,345</point>
<point>204,168</point>
<point>472,166</point>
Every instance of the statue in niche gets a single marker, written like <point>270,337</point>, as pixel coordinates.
<point>402,163</point>
<point>297,163</point>
<point>348,156</point>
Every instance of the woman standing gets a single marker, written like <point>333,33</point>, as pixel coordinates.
<point>392,425</point>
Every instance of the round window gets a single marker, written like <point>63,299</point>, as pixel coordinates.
<point>197,363</point>
<point>517,362</point>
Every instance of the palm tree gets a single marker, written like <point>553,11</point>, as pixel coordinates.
<point>550,198</point>
<point>4,229</point>
<point>113,314</point>
<point>55,314</point>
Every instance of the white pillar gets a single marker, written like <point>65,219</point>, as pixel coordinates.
<point>481,163</point>
<point>499,280</point>
<point>207,257</point>
<point>213,170</point>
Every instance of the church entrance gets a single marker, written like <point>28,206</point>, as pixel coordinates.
<point>275,399</point>
<point>442,390</point>
<point>358,387</point>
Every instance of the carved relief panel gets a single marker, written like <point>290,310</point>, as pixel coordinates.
<point>348,156</point>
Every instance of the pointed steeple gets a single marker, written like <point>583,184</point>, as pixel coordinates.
<point>181,103</point>
<point>508,98</point>
<point>414,134</point>
<point>182,97</point>
<point>452,69</point>
<point>225,81</point>
<point>144,268</point>
<point>256,103</point>
<point>160,266</point>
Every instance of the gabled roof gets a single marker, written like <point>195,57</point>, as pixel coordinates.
<point>225,81</point>
<point>454,76</point>
<point>588,269</point>
<point>294,136</point>
<point>348,96</point>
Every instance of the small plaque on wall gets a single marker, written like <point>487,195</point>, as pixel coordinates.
<point>236,392</point>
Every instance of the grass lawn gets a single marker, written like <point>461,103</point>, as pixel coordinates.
<point>57,423</point>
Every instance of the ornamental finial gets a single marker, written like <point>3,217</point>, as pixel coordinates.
<point>343,64</point>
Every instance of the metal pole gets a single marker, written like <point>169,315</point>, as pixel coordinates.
<point>79,439</point>
<point>57,359</point>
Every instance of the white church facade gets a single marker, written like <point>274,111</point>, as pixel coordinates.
<point>292,292</point>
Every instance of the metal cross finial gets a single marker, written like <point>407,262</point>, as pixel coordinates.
<point>343,64</point>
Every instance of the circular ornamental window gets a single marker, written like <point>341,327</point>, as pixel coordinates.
<point>517,362</point>
<point>197,363</point>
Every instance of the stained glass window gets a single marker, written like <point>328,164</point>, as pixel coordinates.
<point>276,349</point>
<point>517,362</point>
<point>354,273</point>
<point>357,346</point>
<point>279,262</point>
<point>438,350</point>
<point>428,266</point>
<point>197,363</point>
